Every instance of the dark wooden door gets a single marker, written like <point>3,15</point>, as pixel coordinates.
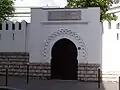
<point>64,60</point>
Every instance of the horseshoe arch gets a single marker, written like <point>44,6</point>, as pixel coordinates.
<point>83,54</point>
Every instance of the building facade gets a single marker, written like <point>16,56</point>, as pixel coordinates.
<point>66,39</point>
<point>110,45</point>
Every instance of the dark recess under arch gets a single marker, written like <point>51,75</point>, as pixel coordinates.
<point>64,63</point>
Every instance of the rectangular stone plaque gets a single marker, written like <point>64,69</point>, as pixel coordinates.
<point>64,15</point>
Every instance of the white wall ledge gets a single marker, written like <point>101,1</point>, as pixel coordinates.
<point>64,22</point>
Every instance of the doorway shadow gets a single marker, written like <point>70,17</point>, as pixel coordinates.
<point>64,63</point>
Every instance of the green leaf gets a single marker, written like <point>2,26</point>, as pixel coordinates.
<point>103,4</point>
<point>6,9</point>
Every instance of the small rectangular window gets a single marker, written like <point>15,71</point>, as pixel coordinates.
<point>0,37</point>
<point>0,26</point>
<point>116,1</point>
<point>19,26</point>
<point>13,26</point>
<point>6,26</point>
<point>13,36</point>
<point>109,25</point>
<point>118,26</point>
<point>117,36</point>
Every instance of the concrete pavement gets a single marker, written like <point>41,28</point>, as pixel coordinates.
<point>37,84</point>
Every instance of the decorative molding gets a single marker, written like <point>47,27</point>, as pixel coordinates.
<point>64,22</point>
<point>83,50</point>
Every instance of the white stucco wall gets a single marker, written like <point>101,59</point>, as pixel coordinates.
<point>88,28</point>
<point>111,46</point>
<point>7,44</point>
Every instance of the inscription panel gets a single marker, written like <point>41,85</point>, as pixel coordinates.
<point>64,15</point>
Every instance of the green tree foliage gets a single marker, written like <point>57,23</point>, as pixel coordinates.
<point>6,9</point>
<point>103,4</point>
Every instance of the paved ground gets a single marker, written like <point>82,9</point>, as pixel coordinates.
<point>36,84</point>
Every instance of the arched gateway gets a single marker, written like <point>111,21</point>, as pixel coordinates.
<point>64,61</point>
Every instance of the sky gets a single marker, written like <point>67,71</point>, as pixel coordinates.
<point>34,3</point>
<point>40,3</point>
